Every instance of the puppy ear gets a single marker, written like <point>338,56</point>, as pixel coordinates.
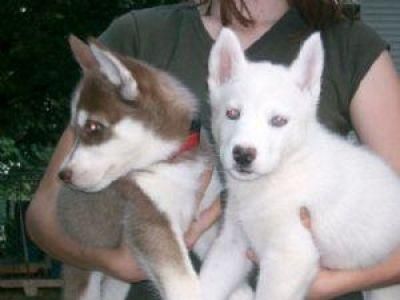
<point>82,53</point>
<point>226,59</point>
<point>308,66</point>
<point>115,71</point>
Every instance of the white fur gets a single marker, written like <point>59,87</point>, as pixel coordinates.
<point>306,70</point>
<point>174,186</point>
<point>103,287</point>
<point>226,60</point>
<point>93,291</point>
<point>82,117</point>
<point>74,102</point>
<point>352,195</point>
<point>132,147</point>
<point>113,289</point>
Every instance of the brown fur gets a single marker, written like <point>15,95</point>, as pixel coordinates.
<point>156,104</point>
<point>96,220</point>
<point>93,219</point>
<point>78,211</point>
<point>148,230</point>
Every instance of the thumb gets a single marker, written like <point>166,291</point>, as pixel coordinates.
<point>206,219</point>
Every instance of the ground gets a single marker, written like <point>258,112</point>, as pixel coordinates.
<point>18,294</point>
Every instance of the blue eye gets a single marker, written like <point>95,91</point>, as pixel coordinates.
<point>233,114</point>
<point>278,121</point>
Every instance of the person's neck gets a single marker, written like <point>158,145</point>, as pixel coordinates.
<point>264,13</point>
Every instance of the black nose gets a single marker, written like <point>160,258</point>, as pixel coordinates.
<point>244,156</point>
<point>65,175</point>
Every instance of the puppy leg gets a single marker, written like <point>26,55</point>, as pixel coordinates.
<point>288,266</point>
<point>388,293</point>
<point>113,289</point>
<point>205,241</point>
<point>226,265</point>
<point>166,260</point>
<point>203,244</point>
<point>243,292</point>
<point>158,245</point>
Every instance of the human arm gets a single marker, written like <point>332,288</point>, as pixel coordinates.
<point>375,113</point>
<point>45,231</point>
<point>207,217</point>
<point>375,110</point>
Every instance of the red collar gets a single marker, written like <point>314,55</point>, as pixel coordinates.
<point>191,142</point>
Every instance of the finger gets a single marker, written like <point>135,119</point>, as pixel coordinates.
<point>205,179</point>
<point>206,219</point>
<point>305,217</point>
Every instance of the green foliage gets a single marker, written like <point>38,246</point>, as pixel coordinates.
<point>16,189</point>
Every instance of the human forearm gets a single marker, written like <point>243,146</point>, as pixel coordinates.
<point>45,230</point>
<point>384,274</point>
<point>333,283</point>
<point>47,234</point>
<point>41,219</point>
<point>375,110</point>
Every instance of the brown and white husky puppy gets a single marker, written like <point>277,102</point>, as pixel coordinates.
<point>132,122</point>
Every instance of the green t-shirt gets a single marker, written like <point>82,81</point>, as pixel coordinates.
<point>174,39</point>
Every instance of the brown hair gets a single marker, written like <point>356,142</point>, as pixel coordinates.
<point>317,13</point>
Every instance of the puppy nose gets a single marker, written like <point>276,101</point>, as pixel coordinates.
<point>65,175</point>
<point>244,156</point>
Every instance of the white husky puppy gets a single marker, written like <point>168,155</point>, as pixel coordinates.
<point>278,158</point>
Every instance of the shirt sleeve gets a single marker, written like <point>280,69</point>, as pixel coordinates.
<point>365,47</point>
<point>122,35</point>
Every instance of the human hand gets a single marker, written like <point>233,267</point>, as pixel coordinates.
<point>328,284</point>
<point>120,263</point>
<point>207,217</point>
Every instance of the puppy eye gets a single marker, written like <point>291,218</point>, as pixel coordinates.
<point>92,126</point>
<point>233,114</point>
<point>278,121</point>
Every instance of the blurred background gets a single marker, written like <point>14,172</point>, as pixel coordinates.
<point>37,75</point>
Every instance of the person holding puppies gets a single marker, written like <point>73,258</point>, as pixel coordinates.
<point>360,91</point>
